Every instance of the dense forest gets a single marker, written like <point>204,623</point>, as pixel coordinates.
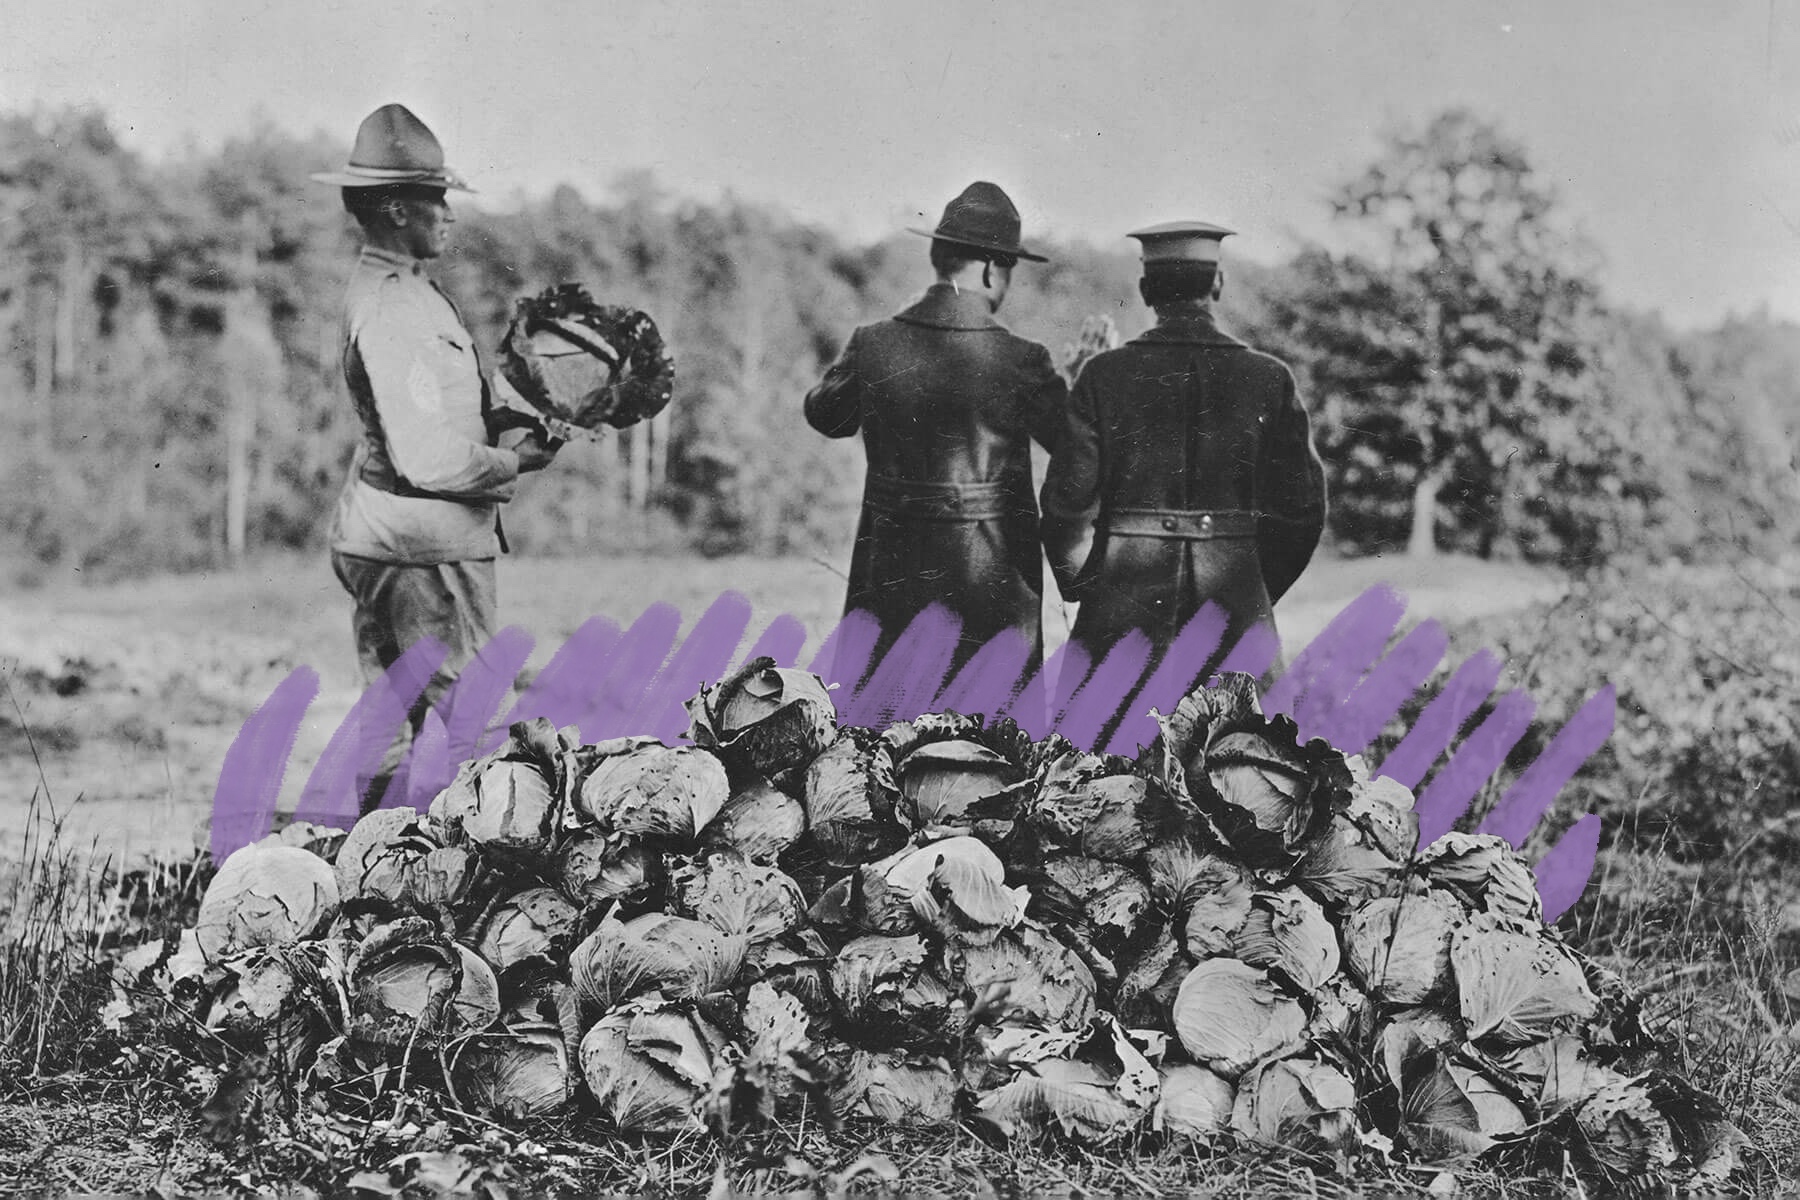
<point>170,384</point>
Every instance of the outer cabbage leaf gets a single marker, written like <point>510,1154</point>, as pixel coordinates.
<point>1229,1015</point>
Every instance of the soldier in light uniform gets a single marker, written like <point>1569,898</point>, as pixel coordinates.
<point>416,529</point>
<point>1187,471</point>
<point>948,402</point>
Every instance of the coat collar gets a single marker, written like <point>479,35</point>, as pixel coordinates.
<point>943,307</point>
<point>1189,329</point>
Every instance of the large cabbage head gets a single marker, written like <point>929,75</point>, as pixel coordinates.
<point>1516,981</point>
<point>760,821</point>
<point>515,1071</point>
<point>1299,1104</point>
<point>1449,1112</point>
<point>1247,776</point>
<point>1045,984</point>
<point>1194,1103</point>
<point>737,897</point>
<point>849,797</point>
<point>884,993</point>
<point>1362,852</point>
<point>676,957</point>
<point>504,805</point>
<point>1206,895</point>
<point>663,794</point>
<point>404,981</point>
<point>391,856</point>
<point>897,1088</point>
<point>265,896</point>
<point>955,775</point>
<point>273,997</point>
<point>1398,947</point>
<point>1229,1015</point>
<point>1095,1090</point>
<point>598,867</point>
<point>765,719</point>
<point>1484,872</point>
<point>1105,900</point>
<point>650,1064</point>
<point>536,924</point>
<point>1288,933</point>
<point>1095,805</point>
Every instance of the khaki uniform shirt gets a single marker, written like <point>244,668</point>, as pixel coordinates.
<point>424,483</point>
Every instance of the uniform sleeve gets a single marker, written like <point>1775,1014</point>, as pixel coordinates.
<point>393,342</point>
<point>834,407</point>
<point>1047,403</point>
<point>1291,488</point>
<point>1071,495</point>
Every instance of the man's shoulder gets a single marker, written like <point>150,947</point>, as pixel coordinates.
<point>379,294</point>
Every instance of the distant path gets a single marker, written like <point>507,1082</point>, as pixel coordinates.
<point>161,673</point>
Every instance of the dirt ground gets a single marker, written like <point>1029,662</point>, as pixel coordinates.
<point>119,702</point>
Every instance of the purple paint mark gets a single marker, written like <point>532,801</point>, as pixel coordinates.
<point>250,777</point>
<point>1254,652</point>
<point>1037,702</point>
<point>1314,688</point>
<point>611,683</point>
<point>333,793</point>
<point>1436,727</point>
<point>1530,797</point>
<point>1182,664</point>
<point>910,674</point>
<point>453,730</point>
<point>1374,702</point>
<point>991,677</point>
<point>781,641</point>
<point>1453,788</point>
<point>704,657</point>
<point>1105,690</point>
<point>1564,871</point>
<point>843,657</point>
<point>560,693</point>
<point>640,652</point>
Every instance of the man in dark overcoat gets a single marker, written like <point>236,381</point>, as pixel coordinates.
<point>1187,471</point>
<point>948,402</point>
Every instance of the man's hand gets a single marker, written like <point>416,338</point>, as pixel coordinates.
<point>536,451</point>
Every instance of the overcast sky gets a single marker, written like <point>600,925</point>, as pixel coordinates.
<point>1671,128</point>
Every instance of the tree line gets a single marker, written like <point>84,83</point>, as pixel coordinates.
<point>170,382</point>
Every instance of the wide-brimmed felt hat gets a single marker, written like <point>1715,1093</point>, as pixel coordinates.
<point>982,217</point>
<point>393,147</point>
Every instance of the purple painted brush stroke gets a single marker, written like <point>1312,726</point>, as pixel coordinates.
<point>1182,663</point>
<point>1483,752</point>
<point>1437,726</point>
<point>1105,691</point>
<point>609,683</point>
<point>560,693</point>
<point>250,778</point>
<point>354,753</point>
<point>1525,803</point>
<point>704,657</point>
<point>1562,874</point>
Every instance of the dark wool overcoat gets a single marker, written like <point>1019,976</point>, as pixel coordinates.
<point>1186,473</point>
<point>948,401</point>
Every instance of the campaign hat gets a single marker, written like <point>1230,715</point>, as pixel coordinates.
<point>394,147</point>
<point>981,217</point>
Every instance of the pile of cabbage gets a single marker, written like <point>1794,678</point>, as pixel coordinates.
<point>1230,938</point>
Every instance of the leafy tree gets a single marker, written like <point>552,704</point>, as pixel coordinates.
<point>1454,353</point>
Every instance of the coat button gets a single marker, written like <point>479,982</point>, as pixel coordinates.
<point>1169,524</point>
<point>1206,523</point>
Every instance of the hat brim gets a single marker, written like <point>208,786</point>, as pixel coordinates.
<point>353,177</point>
<point>990,247</point>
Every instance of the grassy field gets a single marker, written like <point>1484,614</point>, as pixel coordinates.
<point>121,700</point>
<point>159,674</point>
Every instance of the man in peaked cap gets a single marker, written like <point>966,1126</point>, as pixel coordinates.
<point>1186,472</point>
<point>948,402</point>
<point>416,529</point>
